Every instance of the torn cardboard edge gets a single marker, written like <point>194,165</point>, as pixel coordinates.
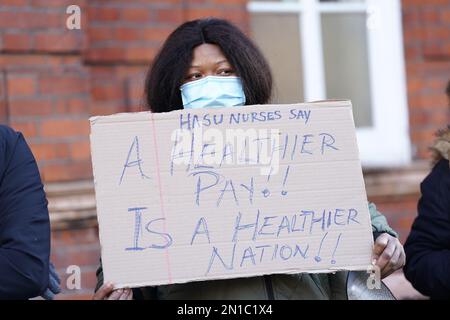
<point>137,116</point>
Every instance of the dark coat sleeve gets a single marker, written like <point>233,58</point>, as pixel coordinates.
<point>24,221</point>
<point>428,245</point>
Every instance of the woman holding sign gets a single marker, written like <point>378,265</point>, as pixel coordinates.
<point>207,63</point>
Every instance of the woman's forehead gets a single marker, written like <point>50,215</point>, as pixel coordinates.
<point>207,53</point>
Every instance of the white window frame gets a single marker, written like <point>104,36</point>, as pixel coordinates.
<point>386,143</point>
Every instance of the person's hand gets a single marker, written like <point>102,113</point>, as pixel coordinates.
<point>107,292</point>
<point>53,284</point>
<point>388,254</point>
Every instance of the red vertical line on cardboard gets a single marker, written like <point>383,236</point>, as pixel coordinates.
<point>158,177</point>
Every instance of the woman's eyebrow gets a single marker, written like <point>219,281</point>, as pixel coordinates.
<point>221,61</point>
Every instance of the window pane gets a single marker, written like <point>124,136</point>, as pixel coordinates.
<point>277,35</point>
<point>346,62</point>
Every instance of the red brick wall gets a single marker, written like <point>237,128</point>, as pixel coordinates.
<point>78,247</point>
<point>426,30</point>
<point>47,85</point>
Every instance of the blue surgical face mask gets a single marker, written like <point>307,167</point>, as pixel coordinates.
<point>213,91</point>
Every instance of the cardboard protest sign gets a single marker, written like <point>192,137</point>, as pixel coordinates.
<point>220,193</point>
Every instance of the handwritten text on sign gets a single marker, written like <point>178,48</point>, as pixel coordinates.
<point>230,192</point>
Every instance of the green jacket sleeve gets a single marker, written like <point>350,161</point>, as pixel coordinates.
<point>379,222</point>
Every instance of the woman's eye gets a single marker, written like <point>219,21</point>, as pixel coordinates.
<point>193,76</point>
<point>225,72</point>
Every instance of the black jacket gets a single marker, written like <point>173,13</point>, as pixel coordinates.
<point>428,245</point>
<point>24,221</point>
